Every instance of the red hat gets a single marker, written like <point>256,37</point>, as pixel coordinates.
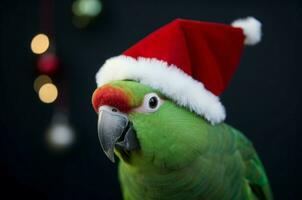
<point>191,62</point>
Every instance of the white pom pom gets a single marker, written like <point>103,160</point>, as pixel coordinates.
<point>251,28</point>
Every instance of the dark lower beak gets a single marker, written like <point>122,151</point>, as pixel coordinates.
<point>115,130</point>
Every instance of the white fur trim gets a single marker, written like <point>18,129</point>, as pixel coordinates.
<point>168,79</point>
<point>251,28</point>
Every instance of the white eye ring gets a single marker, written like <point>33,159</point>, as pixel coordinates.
<point>151,103</point>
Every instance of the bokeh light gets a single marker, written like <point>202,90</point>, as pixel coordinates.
<point>39,44</point>
<point>89,8</point>
<point>48,93</point>
<point>41,80</point>
<point>85,12</point>
<point>48,63</point>
<point>60,135</point>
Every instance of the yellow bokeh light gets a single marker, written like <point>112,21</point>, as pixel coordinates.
<point>41,80</point>
<point>48,93</point>
<point>39,44</point>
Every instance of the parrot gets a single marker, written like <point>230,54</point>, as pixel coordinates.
<point>167,152</point>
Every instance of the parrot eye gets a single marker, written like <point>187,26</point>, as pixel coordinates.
<point>151,103</point>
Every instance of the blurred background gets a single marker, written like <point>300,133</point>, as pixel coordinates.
<point>51,50</point>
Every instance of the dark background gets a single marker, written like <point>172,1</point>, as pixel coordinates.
<point>263,99</point>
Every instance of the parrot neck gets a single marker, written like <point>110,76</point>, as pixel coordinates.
<point>155,183</point>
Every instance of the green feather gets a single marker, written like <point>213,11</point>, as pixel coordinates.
<point>182,156</point>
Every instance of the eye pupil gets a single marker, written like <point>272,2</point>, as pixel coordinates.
<point>153,102</point>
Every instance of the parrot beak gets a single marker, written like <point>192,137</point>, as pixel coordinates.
<point>116,131</point>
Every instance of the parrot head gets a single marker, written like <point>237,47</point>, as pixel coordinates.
<point>143,127</point>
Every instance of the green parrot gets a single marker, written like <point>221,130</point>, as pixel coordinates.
<point>168,152</point>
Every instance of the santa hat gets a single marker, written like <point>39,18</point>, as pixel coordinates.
<point>191,62</point>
